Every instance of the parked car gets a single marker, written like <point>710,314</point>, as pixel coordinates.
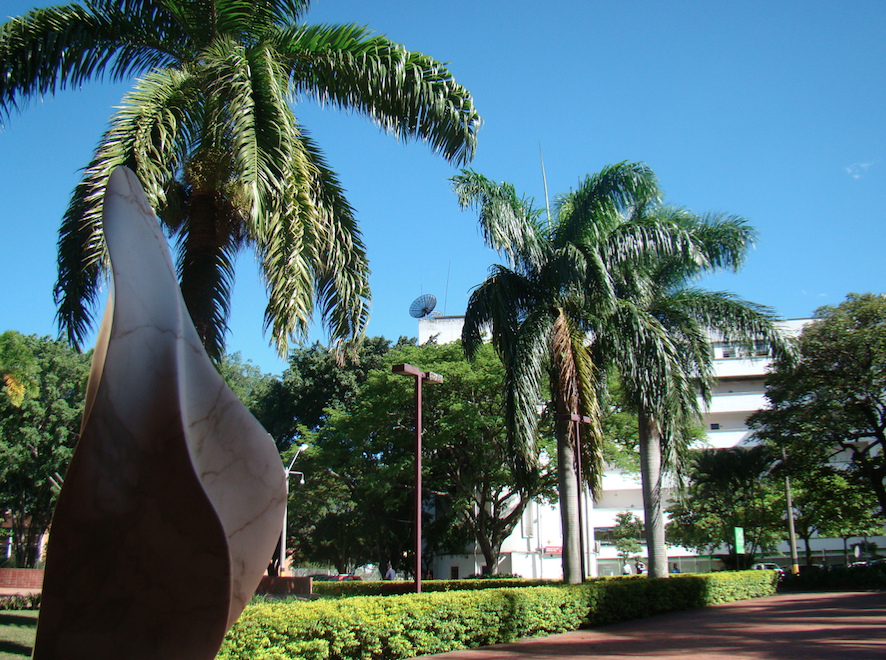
<point>769,566</point>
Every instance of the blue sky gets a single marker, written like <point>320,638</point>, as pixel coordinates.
<point>775,111</point>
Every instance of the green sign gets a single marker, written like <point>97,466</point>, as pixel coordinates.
<point>739,540</point>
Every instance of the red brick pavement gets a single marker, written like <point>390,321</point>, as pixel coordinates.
<point>829,626</point>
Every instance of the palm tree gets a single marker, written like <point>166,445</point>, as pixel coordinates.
<point>210,133</point>
<point>544,305</point>
<point>659,338</point>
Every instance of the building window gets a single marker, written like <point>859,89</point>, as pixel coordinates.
<point>715,427</point>
<point>604,535</point>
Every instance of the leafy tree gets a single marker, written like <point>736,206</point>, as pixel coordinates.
<point>729,488</point>
<point>17,365</point>
<point>621,439</point>
<point>209,131</point>
<point>831,503</point>
<point>478,492</point>
<point>315,381</point>
<point>830,404</point>
<point>556,288</point>
<point>658,336</point>
<point>246,380</point>
<point>37,440</point>
<point>363,459</point>
<point>627,533</point>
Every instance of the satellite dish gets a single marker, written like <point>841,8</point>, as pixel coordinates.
<point>422,306</point>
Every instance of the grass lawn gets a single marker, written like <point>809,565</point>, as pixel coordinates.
<point>17,631</point>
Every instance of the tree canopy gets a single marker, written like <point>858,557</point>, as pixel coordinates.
<point>627,533</point>
<point>17,366</point>
<point>37,441</point>
<point>357,503</point>
<point>830,404</point>
<point>728,488</point>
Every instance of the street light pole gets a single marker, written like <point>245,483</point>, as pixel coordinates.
<point>289,473</point>
<point>409,370</point>
<point>792,534</point>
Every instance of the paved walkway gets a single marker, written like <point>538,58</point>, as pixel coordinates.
<point>830,626</point>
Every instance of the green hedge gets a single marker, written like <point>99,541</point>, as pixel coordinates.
<point>400,587</point>
<point>854,578</point>
<point>419,624</point>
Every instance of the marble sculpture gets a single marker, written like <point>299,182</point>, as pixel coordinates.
<point>173,502</point>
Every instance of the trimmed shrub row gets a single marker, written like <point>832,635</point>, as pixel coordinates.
<point>838,579</point>
<point>400,587</point>
<point>436,622</point>
<point>20,602</point>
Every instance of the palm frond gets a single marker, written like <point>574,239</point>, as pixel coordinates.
<point>724,240</point>
<point>246,18</point>
<point>341,269</point>
<point>644,243</point>
<point>312,250</point>
<point>576,277</point>
<point>575,376</point>
<point>145,136</point>
<point>498,305</point>
<point>407,94</point>
<point>647,358</point>
<point>525,373</point>
<point>59,47</point>
<point>509,223</point>
<point>207,251</point>
<point>734,319</point>
<point>603,200</point>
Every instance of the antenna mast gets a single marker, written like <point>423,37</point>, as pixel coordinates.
<point>544,180</point>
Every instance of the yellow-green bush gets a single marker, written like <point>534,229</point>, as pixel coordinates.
<point>405,626</point>
<point>399,587</point>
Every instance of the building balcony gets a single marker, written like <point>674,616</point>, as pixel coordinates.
<point>724,439</point>
<point>736,367</point>
<point>739,402</point>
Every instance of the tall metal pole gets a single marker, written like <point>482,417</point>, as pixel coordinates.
<point>409,370</point>
<point>418,380</point>
<point>792,534</point>
<point>289,473</point>
<point>581,524</point>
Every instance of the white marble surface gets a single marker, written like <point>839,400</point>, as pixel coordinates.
<point>173,503</point>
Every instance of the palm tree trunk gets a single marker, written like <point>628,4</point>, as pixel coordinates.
<point>650,471</point>
<point>568,505</point>
<point>206,270</point>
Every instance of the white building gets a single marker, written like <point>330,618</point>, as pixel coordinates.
<point>533,550</point>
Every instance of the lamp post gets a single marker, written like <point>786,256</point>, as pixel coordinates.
<point>289,472</point>
<point>792,534</point>
<point>578,420</point>
<point>409,370</point>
